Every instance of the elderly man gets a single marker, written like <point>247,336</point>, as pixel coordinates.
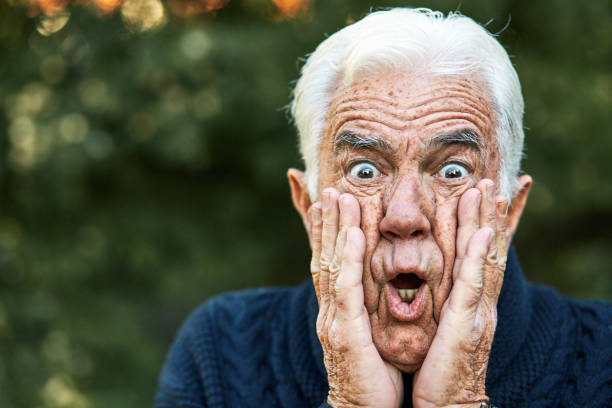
<point>410,126</point>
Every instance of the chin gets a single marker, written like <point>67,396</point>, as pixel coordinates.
<point>403,345</point>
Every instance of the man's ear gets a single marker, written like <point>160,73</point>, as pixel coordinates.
<point>518,203</point>
<point>299,195</point>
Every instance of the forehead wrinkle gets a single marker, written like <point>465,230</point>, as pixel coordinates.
<point>438,104</point>
<point>370,124</point>
<point>459,104</point>
<point>404,114</point>
<point>435,118</point>
<point>395,122</point>
<point>371,115</point>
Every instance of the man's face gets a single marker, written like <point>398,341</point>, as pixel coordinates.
<point>407,148</point>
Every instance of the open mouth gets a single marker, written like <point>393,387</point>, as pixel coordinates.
<point>407,285</point>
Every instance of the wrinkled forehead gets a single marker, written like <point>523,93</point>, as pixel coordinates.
<point>429,105</point>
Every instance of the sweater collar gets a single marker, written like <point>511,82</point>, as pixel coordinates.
<point>513,318</point>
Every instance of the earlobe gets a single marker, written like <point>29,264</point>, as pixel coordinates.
<point>299,194</point>
<point>518,203</point>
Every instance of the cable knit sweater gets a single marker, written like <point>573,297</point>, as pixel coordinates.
<point>258,348</point>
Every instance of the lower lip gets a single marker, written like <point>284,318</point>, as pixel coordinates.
<point>406,311</point>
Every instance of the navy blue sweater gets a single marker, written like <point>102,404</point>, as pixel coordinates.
<point>258,348</point>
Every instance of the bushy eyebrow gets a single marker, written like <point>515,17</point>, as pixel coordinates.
<point>353,141</point>
<point>464,136</point>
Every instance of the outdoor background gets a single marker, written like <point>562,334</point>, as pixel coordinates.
<point>143,150</point>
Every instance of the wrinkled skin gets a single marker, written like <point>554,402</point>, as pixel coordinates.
<point>412,201</point>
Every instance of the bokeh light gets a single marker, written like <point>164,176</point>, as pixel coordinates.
<point>107,6</point>
<point>49,7</point>
<point>143,15</point>
<point>52,22</point>
<point>291,8</point>
<point>185,8</point>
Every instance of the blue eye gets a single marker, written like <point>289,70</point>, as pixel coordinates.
<point>453,171</point>
<point>364,171</point>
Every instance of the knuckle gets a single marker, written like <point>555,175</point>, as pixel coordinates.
<point>329,225</point>
<point>334,268</point>
<point>474,286</point>
<point>341,304</point>
<point>339,288</point>
<point>325,262</point>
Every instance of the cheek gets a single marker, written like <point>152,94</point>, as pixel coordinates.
<point>371,215</point>
<point>445,226</point>
<point>445,233</point>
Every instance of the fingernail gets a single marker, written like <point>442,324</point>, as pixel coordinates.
<point>490,234</point>
<point>326,197</point>
<point>502,207</point>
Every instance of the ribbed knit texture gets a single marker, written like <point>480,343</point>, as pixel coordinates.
<point>258,348</point>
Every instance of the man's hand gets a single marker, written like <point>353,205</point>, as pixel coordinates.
<point>454,371</point>
<point>357,375</point>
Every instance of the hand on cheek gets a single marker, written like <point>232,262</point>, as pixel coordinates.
<point>454,371</point>
<point>357,375</point>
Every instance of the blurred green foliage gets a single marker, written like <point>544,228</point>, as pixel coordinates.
<point>143,172</point>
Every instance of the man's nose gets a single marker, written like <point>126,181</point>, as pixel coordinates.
<point>404,216</point>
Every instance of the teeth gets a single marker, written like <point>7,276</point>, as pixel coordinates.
<point>407,294</point>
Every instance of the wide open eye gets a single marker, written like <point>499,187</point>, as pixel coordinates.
<point>453,171</point>
<point>364,171</point>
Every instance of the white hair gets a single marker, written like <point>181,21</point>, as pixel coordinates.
<point>404,39</point>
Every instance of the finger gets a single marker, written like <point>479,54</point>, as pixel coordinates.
<point>487,204</point>
<point>348,287</point>
<point>315,238</point>
<point>349,216</point>
<point>501,212</point>
<point>468,222</point>
<point>468,286</point>
<point>488,219</point>
<point>329,234</point>
<point>502,237</point>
